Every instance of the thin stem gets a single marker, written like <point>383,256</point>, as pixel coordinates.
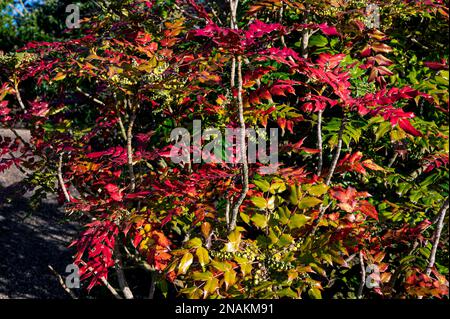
<point>18,96</point>
<point>243,149</point>
<point>338,151</point>
<point>363,275</point>
<point>62,283</point>
<point>130,151</point>
<point>61,179</point>
<point>120,274</point>
<point>319,142</point>
<point>437,236</point>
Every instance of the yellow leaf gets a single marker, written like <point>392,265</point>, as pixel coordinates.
<point>202,255</point>
<point>185,263</point>
<point>60,76</point>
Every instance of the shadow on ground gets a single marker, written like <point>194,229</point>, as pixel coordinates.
<point>29,242</point>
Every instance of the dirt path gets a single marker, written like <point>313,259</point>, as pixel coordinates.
<point>30,241</point>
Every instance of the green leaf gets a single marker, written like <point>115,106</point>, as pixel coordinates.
<point>315,293</point>
<point>202,276</point>
<point>318,40</point>
<point>382,130</point>
<point>293,197</point>
<point>308,202</point>
<point>229,278</point>
<point>262,185</point>
<point>194,243</point>
<point>259,220</point>
<point>211,286</point>
<point>259,202</point>
<point>287,292</point>
<point>298,220</point>
<point>318,190</point>
<point>285,240</point>
<point>202,255</point>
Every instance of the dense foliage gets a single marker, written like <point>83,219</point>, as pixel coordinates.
<point>362,178</point>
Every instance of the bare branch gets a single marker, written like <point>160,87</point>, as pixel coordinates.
<point>363,275</point>
<point>338,151</point>
<point>243,149</point>
<point>120,274</point>
<point>130,151</point>
<point>18,96</point>
<point>62,283</point>
<point>319,143</point>
<point>61,179</point>
<point>437,236</point>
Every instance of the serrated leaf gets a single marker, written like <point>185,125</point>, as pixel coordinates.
<point>298,220</point>
<point>230,278</point>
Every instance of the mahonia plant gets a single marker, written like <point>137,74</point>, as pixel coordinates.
<point>354,208</point>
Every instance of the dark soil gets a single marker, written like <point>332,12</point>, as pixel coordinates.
<point>30,241</point>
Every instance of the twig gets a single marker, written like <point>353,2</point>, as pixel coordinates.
<point>306,34</point>
<point>122,127</point>
<point>120,274</point>
<point>392,160</point>
<point>130,151</point>
<point>17,10</point>
<point>90,96</point>
<point>61,179</point>
<point>62,283</point>
<point>319,142</point>
<point>227,213</point>
<point>437,236</point>
<point>243,149</point>
<point>338,151</point>
<point>19,98</point>
<point>363,275</point>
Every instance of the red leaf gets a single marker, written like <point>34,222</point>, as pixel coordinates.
<point>368,209</point>
<point>114,192</point>
<point>408,128</point>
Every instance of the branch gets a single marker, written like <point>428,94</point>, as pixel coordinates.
<point>319,143</point>
<point>61,179</point>
<point>90,96</point>
<point>243,149</point>
<point>130,151</point>
<point>17,10</point>
<point>437,236</point>
<point>19,98</point>
<point>120,274</point>
<point>122,127</point>
<point>338,151</point>
<point>363,275</point>
<point>306,34</point>
<point>62,283</point>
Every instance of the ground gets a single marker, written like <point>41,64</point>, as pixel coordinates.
<point>30,241</point>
